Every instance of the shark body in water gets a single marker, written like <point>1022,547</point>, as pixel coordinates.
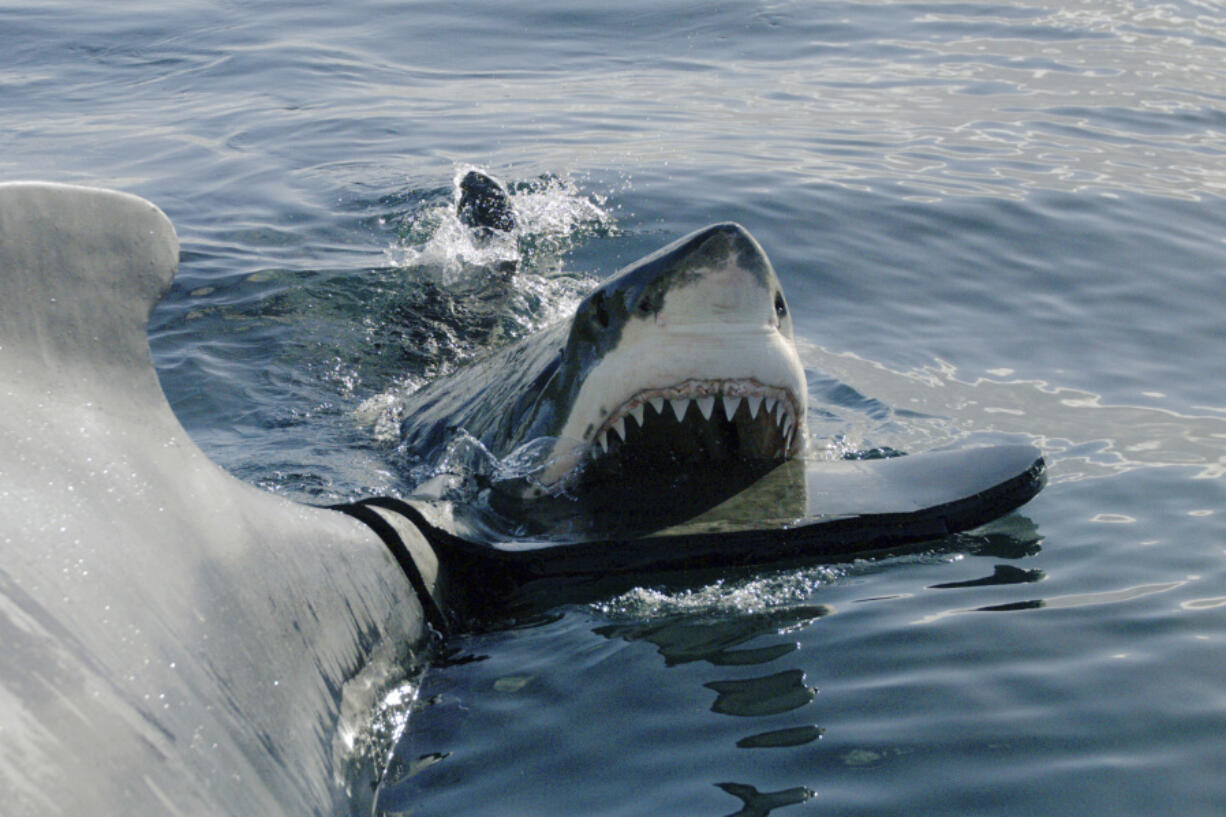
<point>680,361</point>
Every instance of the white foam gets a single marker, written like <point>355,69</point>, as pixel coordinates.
<point>753,595</point>
<point>553,216</point>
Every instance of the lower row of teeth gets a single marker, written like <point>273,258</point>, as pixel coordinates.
<point>774,406</point>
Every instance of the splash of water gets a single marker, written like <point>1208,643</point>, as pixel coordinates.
<point>552,217</point>
<point>752,595</point>
<point>514,283</point>
<point>375,709</point>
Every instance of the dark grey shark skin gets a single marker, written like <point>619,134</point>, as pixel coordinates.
<point>499,410</point>
<point>484,204</point>
<point>526,391</point>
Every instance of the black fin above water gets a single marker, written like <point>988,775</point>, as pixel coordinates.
<point>484,204</point>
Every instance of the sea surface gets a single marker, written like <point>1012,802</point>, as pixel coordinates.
<point>995,222</point>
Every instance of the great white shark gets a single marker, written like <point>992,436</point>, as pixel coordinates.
<point>681,360</point>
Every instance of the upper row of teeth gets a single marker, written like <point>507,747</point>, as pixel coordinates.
<point>758,398</point>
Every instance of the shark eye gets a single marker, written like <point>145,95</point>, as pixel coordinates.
<point>781,309</point>
<point>645,306</point>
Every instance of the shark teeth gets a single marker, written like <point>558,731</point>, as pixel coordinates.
<point>773,433</point>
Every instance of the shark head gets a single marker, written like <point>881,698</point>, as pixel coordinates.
<point>682,359</point>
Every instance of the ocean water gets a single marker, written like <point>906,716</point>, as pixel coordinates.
<point>994,221</point>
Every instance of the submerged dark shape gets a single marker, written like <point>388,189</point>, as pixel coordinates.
<point>680,360</point>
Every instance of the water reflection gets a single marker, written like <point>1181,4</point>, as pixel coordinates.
<point>795,736</point>
<point>767,695</point>
<point>1001,574</point>
<point>682,640</point>
<point>1013,537</point>
<point>1065,601</point>
<point>725,659</point>
<point>760,804</point>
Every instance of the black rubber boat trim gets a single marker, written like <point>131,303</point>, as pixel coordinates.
<point>832,538</point>
<point>503,568</point>
<point>364,513</point>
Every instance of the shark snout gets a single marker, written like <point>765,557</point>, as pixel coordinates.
<point>725,280</point>
<point>727,295</point>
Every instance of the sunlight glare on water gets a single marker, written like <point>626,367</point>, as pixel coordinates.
<point>723,597</point>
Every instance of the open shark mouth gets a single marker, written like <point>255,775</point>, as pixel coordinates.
<point>700,422</point>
